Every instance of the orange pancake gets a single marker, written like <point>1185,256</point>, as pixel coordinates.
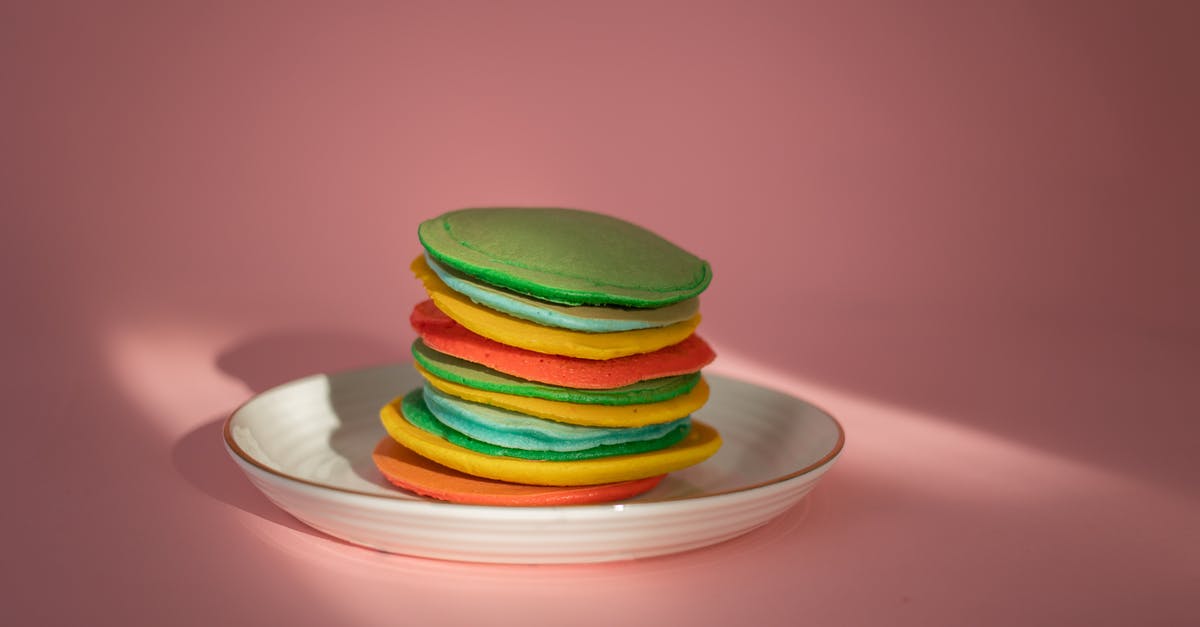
<point>414,473</point>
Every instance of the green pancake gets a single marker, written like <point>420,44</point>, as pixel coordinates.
<point>484,378</point>
<point>565,256</point>
<point>415,411</point>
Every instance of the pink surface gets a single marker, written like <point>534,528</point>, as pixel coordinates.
<point>969,232</point>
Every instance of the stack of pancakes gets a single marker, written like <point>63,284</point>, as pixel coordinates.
<point>560,361</point>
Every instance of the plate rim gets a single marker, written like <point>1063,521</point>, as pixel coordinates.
<point>235,450</point>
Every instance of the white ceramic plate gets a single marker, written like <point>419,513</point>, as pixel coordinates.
<point>307,445</point>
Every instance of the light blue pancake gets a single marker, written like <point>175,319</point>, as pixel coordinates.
<point>518,431</point>
<point>590,319</point>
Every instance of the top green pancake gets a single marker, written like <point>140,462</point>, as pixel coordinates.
<point>565,256</point>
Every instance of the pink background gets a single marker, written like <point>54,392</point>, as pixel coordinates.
<point>969,231</point>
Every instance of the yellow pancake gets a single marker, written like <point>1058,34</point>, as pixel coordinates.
<point>637,415</point>
<point>513,331</point>
<point>700,444</point>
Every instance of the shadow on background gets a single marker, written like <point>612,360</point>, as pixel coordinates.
<point>200,458</point>
<point>262,362</point>
<point>265,361</point>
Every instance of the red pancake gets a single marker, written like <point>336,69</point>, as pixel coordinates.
<point>414,473</point>
<point>444,335</point>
